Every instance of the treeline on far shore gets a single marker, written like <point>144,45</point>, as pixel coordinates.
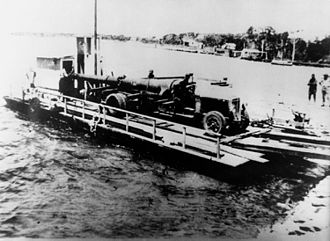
<point>277,45</point>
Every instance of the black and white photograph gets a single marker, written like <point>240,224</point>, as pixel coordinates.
<point>165,120</point>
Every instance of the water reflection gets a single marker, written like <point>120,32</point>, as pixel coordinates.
<point>57,182</point>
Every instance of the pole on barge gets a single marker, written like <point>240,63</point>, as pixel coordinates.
<point>95,37</point>
<point>293,49</point>
<point>294,45</point>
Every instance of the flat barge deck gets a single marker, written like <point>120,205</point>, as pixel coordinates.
<point>227,150</point>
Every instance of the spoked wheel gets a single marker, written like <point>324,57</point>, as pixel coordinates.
<point>214,121</point>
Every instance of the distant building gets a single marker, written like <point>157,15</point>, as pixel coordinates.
<point>208,50</point>
<point>223,52</point>
<point>230,46</point>
<point>226,49</point>
<point>200,37</point>
<point>325,59</point>
<point>237,54</point>
<point>253,54</point>
<point>189,42</point>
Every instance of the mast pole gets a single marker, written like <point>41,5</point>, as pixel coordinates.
<point>293,49</point>
<point>294,44</point>
<point>95,37</point>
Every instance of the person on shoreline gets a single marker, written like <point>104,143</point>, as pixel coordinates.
<point>325,85</point>
<point>312,88</point>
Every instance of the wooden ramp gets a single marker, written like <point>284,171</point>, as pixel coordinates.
<point>290,149</point>
<point>277,135</point>
<point>252,131</point>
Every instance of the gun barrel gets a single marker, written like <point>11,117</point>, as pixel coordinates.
<point>156,85</point>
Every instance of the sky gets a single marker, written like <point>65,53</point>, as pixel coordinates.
<point>159,17</point>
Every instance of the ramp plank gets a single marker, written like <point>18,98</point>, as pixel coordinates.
<point>296,137</point>
<point>253,143</point>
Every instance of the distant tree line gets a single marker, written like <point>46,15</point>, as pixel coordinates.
<point>277,45</point>
<point>148,40</point>
<point>116,37</point>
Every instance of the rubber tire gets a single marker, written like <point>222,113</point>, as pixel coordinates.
<point>34,108</point>
<point>217,117</point>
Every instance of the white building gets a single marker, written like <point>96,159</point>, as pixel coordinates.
<point>230,46</point>
<point>189,42</point>
<point>253,54</point>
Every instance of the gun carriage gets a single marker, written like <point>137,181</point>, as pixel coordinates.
<point>178,98</point>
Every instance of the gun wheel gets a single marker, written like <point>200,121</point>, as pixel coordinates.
<point>117,100</point>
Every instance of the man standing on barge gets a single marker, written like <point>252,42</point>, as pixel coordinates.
<point>81,57</point>
<point>31,76</point>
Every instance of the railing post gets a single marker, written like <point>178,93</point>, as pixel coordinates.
<point>127,123</point>
<point>154,129</point>
<point>104,111</point>
<point>303,121</point>
<point>50,102</point>
<point>218,147</point>
<point>99,113</point>
<point>83,111</point>
<point>184,137</point>
<point>65,105</point>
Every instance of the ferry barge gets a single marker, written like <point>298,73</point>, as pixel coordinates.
<point>232,150</point>
<point>171,113</point>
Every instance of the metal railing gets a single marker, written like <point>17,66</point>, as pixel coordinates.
<point>99,111</point>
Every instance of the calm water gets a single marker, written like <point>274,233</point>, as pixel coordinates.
<point>57,182</point>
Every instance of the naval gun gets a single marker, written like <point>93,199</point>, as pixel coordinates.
<point>198,102</point>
